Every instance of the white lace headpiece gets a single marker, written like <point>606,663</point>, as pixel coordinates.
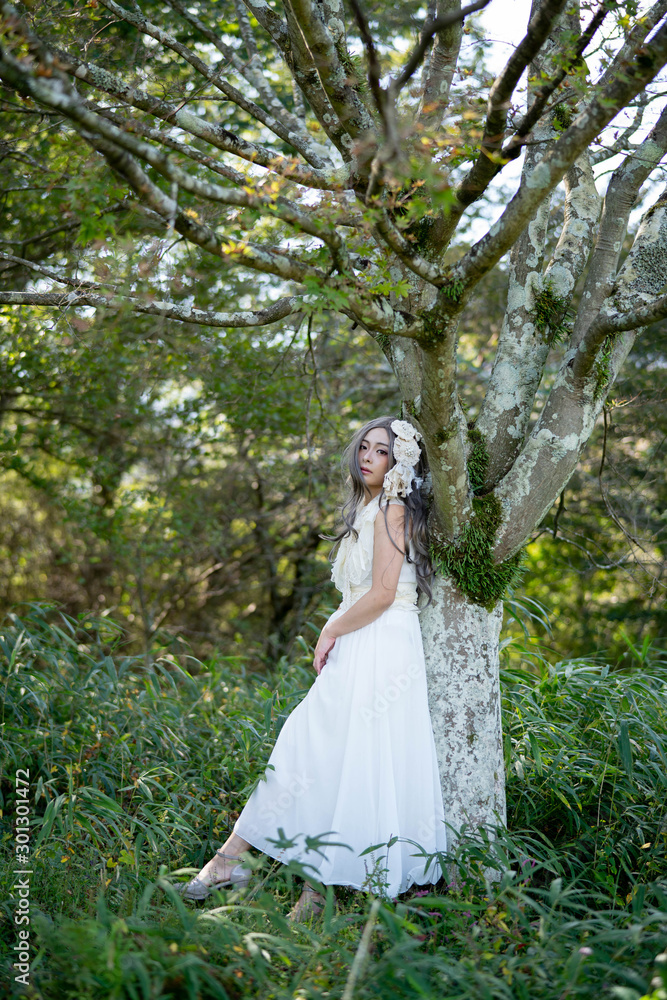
<point>401,477</point>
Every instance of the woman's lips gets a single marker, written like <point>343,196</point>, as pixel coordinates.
<point>366,472</point>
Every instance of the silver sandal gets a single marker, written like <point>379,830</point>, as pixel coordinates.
<point>196,889</point>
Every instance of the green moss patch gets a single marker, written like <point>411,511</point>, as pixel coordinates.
<point>470,562</point>
<point>602,367</point>
<point>478,460</point>
<point>563,117</point>
<point>550,312</point>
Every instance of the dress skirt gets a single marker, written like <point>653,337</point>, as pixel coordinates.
<point>355,765</point>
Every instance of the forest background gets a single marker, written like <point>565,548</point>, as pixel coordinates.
<point>180,480</point>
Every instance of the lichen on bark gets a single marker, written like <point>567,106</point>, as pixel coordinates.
<point>432,333</point>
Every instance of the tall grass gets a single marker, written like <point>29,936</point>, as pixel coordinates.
<point>586,762</point>
<point>138,771</point>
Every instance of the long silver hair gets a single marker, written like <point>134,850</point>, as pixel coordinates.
<point>415,528</point>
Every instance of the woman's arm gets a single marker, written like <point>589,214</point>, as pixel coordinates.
<point>387,563</point>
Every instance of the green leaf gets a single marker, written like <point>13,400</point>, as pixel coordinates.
<point>624,748</point>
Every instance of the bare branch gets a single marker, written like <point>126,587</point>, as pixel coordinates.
<point>104,81</point>
<point>377,315</point>
<point>635,319</point>
<point>634,300</point>
<point>622,144</point>
<point>251,71</point>
<point>500,97</point>
<point>279,208</point>
<point>350,109</point>
<point>385,100</point>
<point>257,258</point>
<point>295,138</point>
<point>386,106</point>
<point>299,60</point>
<point>374,67</point>
<point>50,91</point>
<point>215,135</point>
<point>246,29</point>
<point>132,126</point>
<point>557,161</point>
<point>405,252</point>
<point>644,26</point>
<point>430,30</point>
<point>272,23</point>
<point>640,32</point>
<point>492,156</point>
<point>48,272</point>
<point>618,203</point>
<point>543,93</point>
<point>439,73</point>
<point>373,311</point>
<point>184,313</point>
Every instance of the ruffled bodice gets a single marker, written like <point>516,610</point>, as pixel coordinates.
<point>352,571</point>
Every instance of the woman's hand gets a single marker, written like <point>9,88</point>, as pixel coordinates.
<point>325,644</point>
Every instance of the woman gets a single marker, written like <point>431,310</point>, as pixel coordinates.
<point>355,764</point>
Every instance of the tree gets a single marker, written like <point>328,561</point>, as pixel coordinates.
<point>253,135</point>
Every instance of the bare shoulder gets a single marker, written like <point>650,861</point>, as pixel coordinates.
<point>395,517</point>
<point>390,502</point>
<point>394,508</point>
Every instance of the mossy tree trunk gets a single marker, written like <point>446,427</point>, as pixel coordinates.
<point>461,649</point>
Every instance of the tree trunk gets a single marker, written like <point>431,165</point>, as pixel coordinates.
<point>461,642</point>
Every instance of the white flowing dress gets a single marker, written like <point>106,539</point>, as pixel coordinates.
<point>355,761</point>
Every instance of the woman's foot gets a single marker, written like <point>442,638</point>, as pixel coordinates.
<point>310,903</point>
<point>223,869</point>
<point>216,877</point>
<point>218,869</point>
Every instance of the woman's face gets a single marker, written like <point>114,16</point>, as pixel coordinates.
<point>374,459</point>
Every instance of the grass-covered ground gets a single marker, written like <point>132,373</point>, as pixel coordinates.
<point>138,771</point>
